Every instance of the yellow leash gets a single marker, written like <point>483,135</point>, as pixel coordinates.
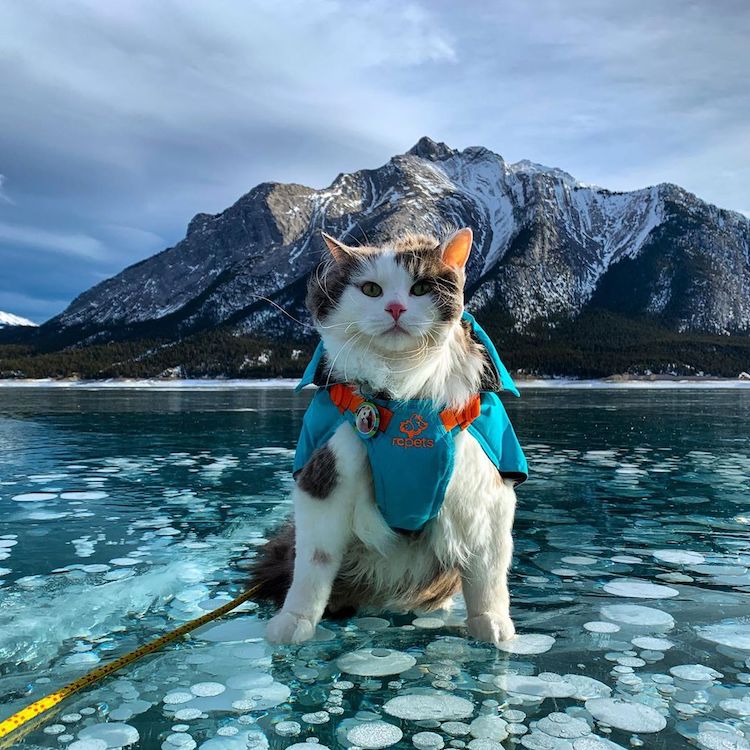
<point>19,724</point>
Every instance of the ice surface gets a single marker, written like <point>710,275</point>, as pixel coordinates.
<point>527,643</point>
<point>371,623</point>
<point>428,623</point>
<point>713,740</point>
<point>89,744</point>
<point>731,633</point>
<point>638,589</point>
<point>678,557</point>
<point>652,644</point>
<point>372,735</point>
<point>631,717</point>
<point>579,560</point>
<point>427,741</point>
<point>597,626</point>
<point>114,734</point>
<point>489,727</point>
<point>236,629</point>
<point>455,728</point>
<point>187,714</point>
<point>563,725</point>
<point>84,495</point>
<point>666,513</point>
<point>546,685</point>
<point>587,687</point>
<point>433,705</point>
<point>637,615</point>
<point>595,743</point>
<point>626,559</point>
<point>178,696</point>
<point>34,497</point>
<point>204,689</point>
<point>695,673</point>
<point>375,662</point>
<point>537,740</point>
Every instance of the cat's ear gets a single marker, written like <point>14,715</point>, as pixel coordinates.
<point>338,250</point>
<point>455,250</point>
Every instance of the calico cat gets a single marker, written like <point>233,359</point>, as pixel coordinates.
<point>393,330</point>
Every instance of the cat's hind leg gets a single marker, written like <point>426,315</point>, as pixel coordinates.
<point>324,498</point>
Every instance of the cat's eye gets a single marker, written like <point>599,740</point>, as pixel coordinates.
<point>420,288</point>
<point>371,289</point>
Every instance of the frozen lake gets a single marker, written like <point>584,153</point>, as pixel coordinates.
<point>125,512</point>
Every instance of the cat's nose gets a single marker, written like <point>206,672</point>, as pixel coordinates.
<point>395,309</point>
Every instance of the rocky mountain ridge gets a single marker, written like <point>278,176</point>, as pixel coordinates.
<point>548,250</point>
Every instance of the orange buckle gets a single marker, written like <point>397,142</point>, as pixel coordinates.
<point>462,417</point>
<point>346,399</point>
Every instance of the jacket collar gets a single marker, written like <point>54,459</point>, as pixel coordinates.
<point>315,372</point>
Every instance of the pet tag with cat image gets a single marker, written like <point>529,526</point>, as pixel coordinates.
<point>367,419</point>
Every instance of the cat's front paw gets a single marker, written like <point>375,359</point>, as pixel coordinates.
<point>289,627</point>
<point>491,627</point>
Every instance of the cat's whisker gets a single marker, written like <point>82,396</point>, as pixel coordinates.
<point>351,349</point>
<point>347,324</point>
<point>333,364</point>
<point>367,348</point>
<point>278,307</point>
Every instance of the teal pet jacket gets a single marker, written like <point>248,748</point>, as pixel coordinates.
<point>410,444</point>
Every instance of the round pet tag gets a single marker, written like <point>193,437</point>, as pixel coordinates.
<point>367,419</point>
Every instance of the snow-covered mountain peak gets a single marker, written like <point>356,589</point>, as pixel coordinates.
<point>531,167</point>
<point>426,148</point>
<point>8,319</point>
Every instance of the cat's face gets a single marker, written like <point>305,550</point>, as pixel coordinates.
<point>392,298</point>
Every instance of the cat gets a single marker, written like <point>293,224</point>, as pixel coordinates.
<point>391,321</point>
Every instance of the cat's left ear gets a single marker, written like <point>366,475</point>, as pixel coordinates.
<point>456,249</point>
<point>338,250</point>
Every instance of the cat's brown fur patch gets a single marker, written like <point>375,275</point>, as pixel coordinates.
<point>318,477</point>
<point>321,557</point>
<point>444,585</point>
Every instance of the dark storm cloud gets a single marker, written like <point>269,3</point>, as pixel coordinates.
<point>119,121</point>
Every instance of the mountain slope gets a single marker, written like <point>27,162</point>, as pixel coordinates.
<point>547,250</point>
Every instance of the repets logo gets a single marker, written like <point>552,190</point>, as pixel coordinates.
<point>412,427</point>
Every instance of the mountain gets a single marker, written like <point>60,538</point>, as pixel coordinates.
<point>7,320</point>
<point>550,253</point>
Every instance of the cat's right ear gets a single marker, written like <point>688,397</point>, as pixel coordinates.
<point>457,247</point>
<point>338,250</point>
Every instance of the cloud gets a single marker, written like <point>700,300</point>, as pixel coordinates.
<point>120,121</point>
<point>4,197</point>
<point>76,245</point>
<point>17,301</point>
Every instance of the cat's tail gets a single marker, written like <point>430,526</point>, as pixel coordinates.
<point>274,565</point>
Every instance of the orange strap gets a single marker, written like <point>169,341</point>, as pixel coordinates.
<point>345,398</point>
<point>462,417</point>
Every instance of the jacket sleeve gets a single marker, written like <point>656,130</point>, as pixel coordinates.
<point>494,432</point>
<point>321,420</point>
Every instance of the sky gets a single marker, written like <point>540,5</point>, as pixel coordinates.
<point>119,121</point>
